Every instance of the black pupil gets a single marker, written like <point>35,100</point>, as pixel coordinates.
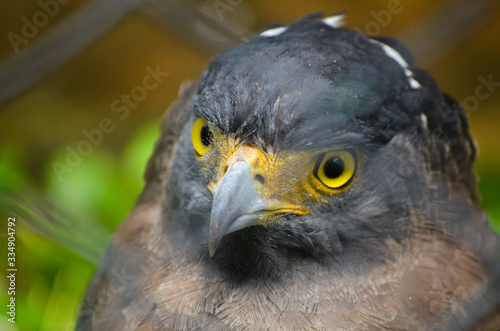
<point>334,167</point>
<point>206,136</point>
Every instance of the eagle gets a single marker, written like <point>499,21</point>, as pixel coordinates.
<point>312,178</point>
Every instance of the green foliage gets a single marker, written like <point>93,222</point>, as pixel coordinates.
<point>13,170</point>
<point>489,187</point>
<point>104,186</point>
<point>78,211</point>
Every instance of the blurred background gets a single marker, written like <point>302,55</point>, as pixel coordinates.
<point>84,85</point>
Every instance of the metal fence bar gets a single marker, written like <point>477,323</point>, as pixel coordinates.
<point>65,40</point>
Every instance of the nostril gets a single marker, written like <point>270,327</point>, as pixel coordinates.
<point>260,179</point>
<point>225,170</point>
<point>258,182</point>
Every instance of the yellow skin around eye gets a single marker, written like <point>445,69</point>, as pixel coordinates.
<point>291,181</point>
<point>345,176</point>
<point>199,148</point>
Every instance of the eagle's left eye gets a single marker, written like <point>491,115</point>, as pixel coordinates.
<point>202,137</point>
<point>336,169</point>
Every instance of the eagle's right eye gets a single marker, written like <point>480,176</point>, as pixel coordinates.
<point>202,137</point>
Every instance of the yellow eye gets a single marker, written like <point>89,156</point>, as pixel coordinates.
<point>336,169</point>
<point>202,137</point>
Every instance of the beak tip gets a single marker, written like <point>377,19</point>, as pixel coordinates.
<point>211,250</point>
<point>213,243</point>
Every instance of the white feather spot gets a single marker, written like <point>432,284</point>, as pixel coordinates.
<point>335,21</point>
<point>413,83</point>
<point>393,54</point>
<point>273,32</point>
<point>423,119</point>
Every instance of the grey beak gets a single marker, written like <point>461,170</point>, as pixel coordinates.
<point>236,204</point>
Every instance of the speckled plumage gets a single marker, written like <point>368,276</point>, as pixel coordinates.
<point>405,247</point>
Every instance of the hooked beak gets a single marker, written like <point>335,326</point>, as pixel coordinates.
<point>236,204</point>
<point>241,196</point>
